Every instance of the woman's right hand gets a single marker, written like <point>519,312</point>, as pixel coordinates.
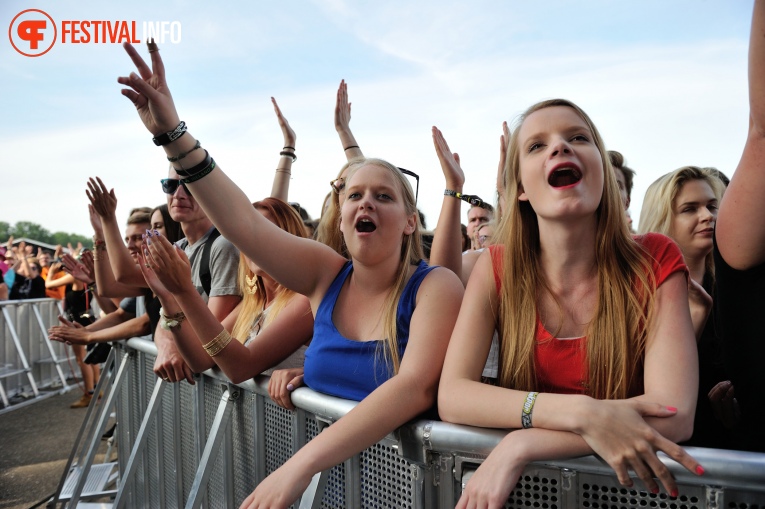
<point>617,431</point>
<point>168,262</point>
<point>289,134</point>
<point>102,200</point>
<point>149,92</point>
<point>342,109</point>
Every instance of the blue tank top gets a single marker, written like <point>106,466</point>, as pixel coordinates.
<point>349,369</point>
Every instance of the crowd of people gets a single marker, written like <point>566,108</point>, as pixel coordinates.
<point>547,313</point>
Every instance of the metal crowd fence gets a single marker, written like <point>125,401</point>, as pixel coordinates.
<point>29,360</point>
<point>210,444</point>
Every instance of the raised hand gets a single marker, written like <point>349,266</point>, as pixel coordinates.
<point>342,109</point>
<point>450,163</point>
<point>149,92</point>
<point>95,222</point>
<point>77,269</point>
<point>168,262</point>
<point>618,432</point>
<point>287,132</point>
<point>103,201</point>
<point>504,140</point>
<point>87,264</point>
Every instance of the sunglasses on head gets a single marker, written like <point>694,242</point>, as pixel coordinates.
<point>339,183</point>
<point>170,186</point>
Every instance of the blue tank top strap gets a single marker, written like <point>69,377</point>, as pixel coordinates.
<point>408,300</point>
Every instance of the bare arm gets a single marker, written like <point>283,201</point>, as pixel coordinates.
<point>446,250</point>
<point>283,174</point>
<point>57,282</point>
<point>616,429</point>
<point>410,392</point>
<point>741,242</point>
<point>343,124</point>
<point>170,279</point>
<point>105,281</point>
<point>104,203</point>
<point>302,265</point>
<point>134,327</point>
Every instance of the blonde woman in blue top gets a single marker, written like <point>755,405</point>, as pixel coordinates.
<point>379,223</point>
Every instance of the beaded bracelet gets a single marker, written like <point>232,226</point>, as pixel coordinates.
<point>528,407</point>
<point>184,154</point>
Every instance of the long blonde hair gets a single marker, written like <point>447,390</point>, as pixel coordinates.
<point>656,214</point>
<point>411,254</point>
<point>286,218</point>
<point>328,230</point>
<point>616,335</point>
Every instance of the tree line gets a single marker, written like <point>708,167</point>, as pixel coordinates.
<point>35,231</point>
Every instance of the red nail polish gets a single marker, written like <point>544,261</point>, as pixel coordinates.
<point>674,493</point>
<point>672,409</point>
<point>655,491</point>
<point>700,470</point>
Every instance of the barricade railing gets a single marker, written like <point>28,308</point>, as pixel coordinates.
<point>29,360</point>
<point>211,443</point>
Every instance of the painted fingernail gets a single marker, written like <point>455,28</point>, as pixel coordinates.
<point>290,387</point>
<point>146,252</point>
<point>674,493</point>
<point>700,470</point>
<point>156,232</point>
<point>148,233</point>
<point>672,409</point>
<point>655,490</point>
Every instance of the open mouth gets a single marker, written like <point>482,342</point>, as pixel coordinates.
<point>563,177</point>
<point>365,226</point>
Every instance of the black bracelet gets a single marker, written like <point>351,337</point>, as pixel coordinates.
<point>352,146</point>
<point>165,138</point>
<point>197,176</point>
<point>288,154</point>
<point>184,154</point>
<point>190,172</point>
<point>293,148</point>
<point>472,199</point>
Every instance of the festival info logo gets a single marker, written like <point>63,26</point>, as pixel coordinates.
<point>33,32</point>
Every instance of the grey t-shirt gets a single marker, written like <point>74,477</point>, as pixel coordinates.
<point>224,263</point>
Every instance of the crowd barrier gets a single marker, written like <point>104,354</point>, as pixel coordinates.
<point>29,361</point>
<point>210,444</point>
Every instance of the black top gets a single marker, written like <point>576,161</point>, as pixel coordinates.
<point>739,302</point>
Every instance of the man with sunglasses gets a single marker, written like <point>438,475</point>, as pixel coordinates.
<point>223,294</point>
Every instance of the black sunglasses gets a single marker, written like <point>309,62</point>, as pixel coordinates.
<point>339,183</point>
<point>170,186</point>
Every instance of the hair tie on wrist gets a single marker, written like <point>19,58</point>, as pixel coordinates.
<point>352,146</point>
<point>285,148</point>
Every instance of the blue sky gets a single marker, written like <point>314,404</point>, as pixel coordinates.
<point>664,81</point>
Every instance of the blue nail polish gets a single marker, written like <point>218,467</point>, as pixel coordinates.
<point>148,241</point>
<point>156,232</point>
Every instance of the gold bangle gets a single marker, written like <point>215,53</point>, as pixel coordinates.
<point>218,343</point>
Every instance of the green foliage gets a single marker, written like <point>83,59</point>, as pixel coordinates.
<point>36,232</point>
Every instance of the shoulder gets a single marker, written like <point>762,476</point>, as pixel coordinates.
<point>223,245</point>
<point>439,283</point>
<point>665,255</point>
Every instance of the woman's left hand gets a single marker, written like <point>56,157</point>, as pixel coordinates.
<point>492,483</point>
<point>76,269</point>
<point>149,92</point>
<point>281,385</point>
<point>280,489</point>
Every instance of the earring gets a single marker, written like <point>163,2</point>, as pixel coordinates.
<point>252,284</point>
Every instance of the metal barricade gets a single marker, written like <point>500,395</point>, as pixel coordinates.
<point>210,444</point>
<point>29,361</point>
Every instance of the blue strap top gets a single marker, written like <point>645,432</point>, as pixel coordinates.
<point>350,369</point>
